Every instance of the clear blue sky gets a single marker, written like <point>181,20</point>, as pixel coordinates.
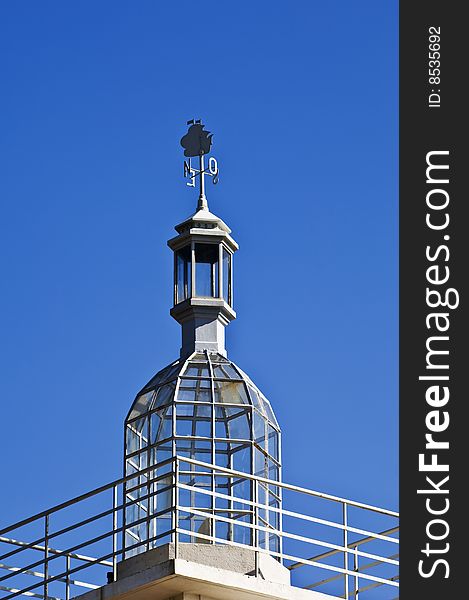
<point>302,98</point>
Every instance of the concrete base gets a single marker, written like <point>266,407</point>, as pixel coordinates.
<point>236,560</point>
<point>201,572</point>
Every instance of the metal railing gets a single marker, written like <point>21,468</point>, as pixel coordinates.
<point>337,546</point>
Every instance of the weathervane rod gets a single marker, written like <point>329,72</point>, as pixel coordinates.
<point>202,204</point>
<point>197,142</point>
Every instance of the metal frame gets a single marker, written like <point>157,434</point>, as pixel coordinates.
<point>53,573</point>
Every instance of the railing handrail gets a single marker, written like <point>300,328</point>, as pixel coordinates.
<point>351,546</point>
<point>258,525</point>
<point>370,534</point>
<point>290,487</point>
<point>85,496</point>
<point>108,486</point>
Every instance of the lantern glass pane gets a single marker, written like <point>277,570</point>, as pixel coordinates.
<point>227,276</point>
<point>206,270</point>
<point>183,274</point>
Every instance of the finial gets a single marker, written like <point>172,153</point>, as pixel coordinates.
<point>197,142</point>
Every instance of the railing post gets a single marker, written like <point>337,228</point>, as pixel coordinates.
<point>176,508</point>
<point>148,511</point>
<point>213,525</point>
<point>114,531</point>
<point>124,518</point>
<point>256,525</point>
<point>46,556</point>
<point>356,568</point>
<point>67,577</point>
<point>280,523</point>
<point>344,512</point>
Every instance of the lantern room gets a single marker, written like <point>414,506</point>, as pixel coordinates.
<point>203,281</point>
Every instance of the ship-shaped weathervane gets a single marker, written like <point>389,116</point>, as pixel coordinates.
<point>197,142</point>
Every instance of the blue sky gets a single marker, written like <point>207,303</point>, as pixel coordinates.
<point>302,99</point>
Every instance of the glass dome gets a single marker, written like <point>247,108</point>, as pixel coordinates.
<point>207,409</point>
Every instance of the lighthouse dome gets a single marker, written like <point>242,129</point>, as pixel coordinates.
<point>205,397</point>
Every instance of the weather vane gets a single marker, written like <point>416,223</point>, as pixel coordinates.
<point>197,142</point>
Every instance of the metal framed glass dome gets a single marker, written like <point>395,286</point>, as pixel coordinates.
<point>207,409</point>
